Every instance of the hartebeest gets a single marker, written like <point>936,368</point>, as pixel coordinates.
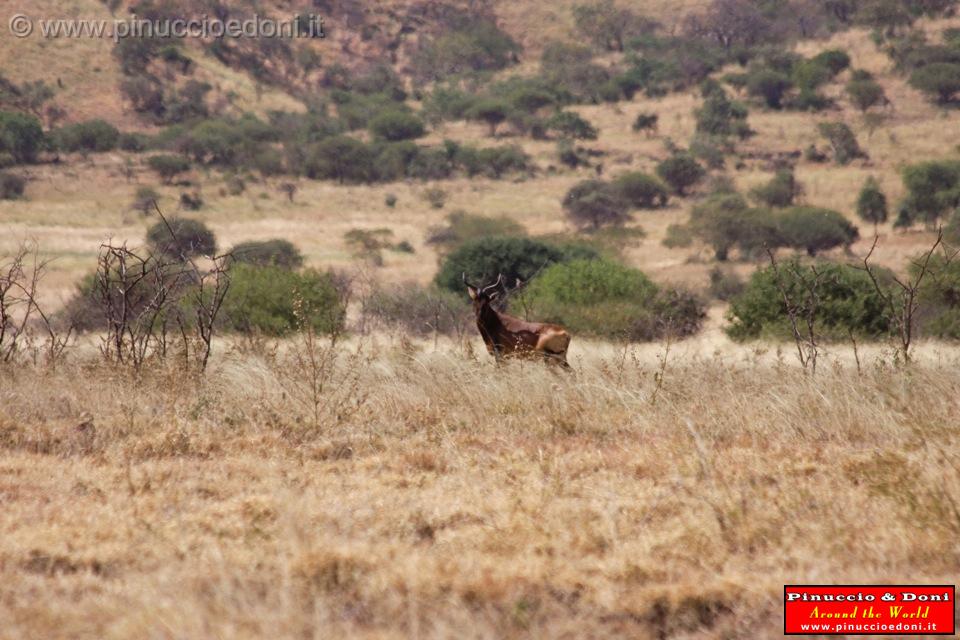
<point>505,335</point>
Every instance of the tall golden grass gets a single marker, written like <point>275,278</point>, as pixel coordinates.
<point>398,490</point>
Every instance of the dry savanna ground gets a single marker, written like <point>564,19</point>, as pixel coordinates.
<point>425,493</point>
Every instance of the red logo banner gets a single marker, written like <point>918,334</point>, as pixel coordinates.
<point>869,609</point>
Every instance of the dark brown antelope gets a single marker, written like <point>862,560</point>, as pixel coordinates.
<point>508,336</point>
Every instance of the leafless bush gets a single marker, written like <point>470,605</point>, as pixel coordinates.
<point>903,303</point>
<point>20,311</point>
<point>417,310</point>
<point>146,299</point>
<point>323,377</point>
<point>801,309</point>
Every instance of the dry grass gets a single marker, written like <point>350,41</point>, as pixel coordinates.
<point>454,499</point>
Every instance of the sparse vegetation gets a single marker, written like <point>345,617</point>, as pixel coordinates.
<point>681,172</point>
<point>12,186</point>
<point>872,203</point>
<point>181,237</point>
<point>593,204</point>
<point>268,253</point>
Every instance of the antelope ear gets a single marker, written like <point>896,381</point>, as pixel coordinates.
<point>471,292</point>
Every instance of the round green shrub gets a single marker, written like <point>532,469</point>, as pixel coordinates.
<point>641,190</point>
<point>847,301</point>
<point>592,204</point>
<point>396,125</point>
<point>815,229</point>
<point>268,253</point>
<point>21,136</point>
<point>12,186</point>
<point>606,299</point>
<point>569,124</point>
<point>182,237</point>
<point>168,166</point>
<point>483,259</point>
<point>275,301</point>
<point>91,136</point>
<point>681,172</point>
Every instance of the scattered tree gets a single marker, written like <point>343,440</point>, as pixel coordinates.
<point>181,238</point>
<point>490,111</point>
<point>169,166</point>
<point>681,172</point>
<point>872,203</point>
<point>641,191</point>
<point>815,229</point>
<point>843,141</point>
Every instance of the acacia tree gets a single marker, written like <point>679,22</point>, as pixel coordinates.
<point>872,203</point>
<point>593,204</point>
<point>608,26</point>
<point>491,111</point>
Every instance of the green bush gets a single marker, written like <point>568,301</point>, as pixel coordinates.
<point>133,142</point>
<point>681,172</point>
<point>396,125</point>
<point>471,45</point>
<point>168,166</point>
<point>430,164</point>
<point>939,310</point>
<point>711,150</point>
<point>941,80</point>
<point>836,60</point>
<point>865,93</point>
<point>842,140</point>
<point>720,116</point>
<point>483,259</point>
<point>606,299</point>
<point>12,186</point>
<point>593,204</point>
<point>815,229</point>
<point>569,124</point>
<point>725,221</point>
<point>21,136</point>
<point>872,203</point>
<point>781,191</point>
<point>646,122</point>
<point>182,237</point>
<point>951,231</point>
<point>447,102</point>
<point>570,69</point>
<point>933,189</point>
<point>641,191</point>
<point>275,301</point>
<point>492,111</point>
<point>494,162</point>
<point>341,158</point>
<point>268,253</point>
<point>91,136</point>
<point>769,85</point>
<point>847,301</point>
<point>144,200</point>
<point>227,142</point>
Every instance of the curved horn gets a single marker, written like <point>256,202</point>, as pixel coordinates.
<point>495,284</point>
<point>466,282</point>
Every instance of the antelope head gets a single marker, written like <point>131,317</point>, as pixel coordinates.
<point>483,296</point>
